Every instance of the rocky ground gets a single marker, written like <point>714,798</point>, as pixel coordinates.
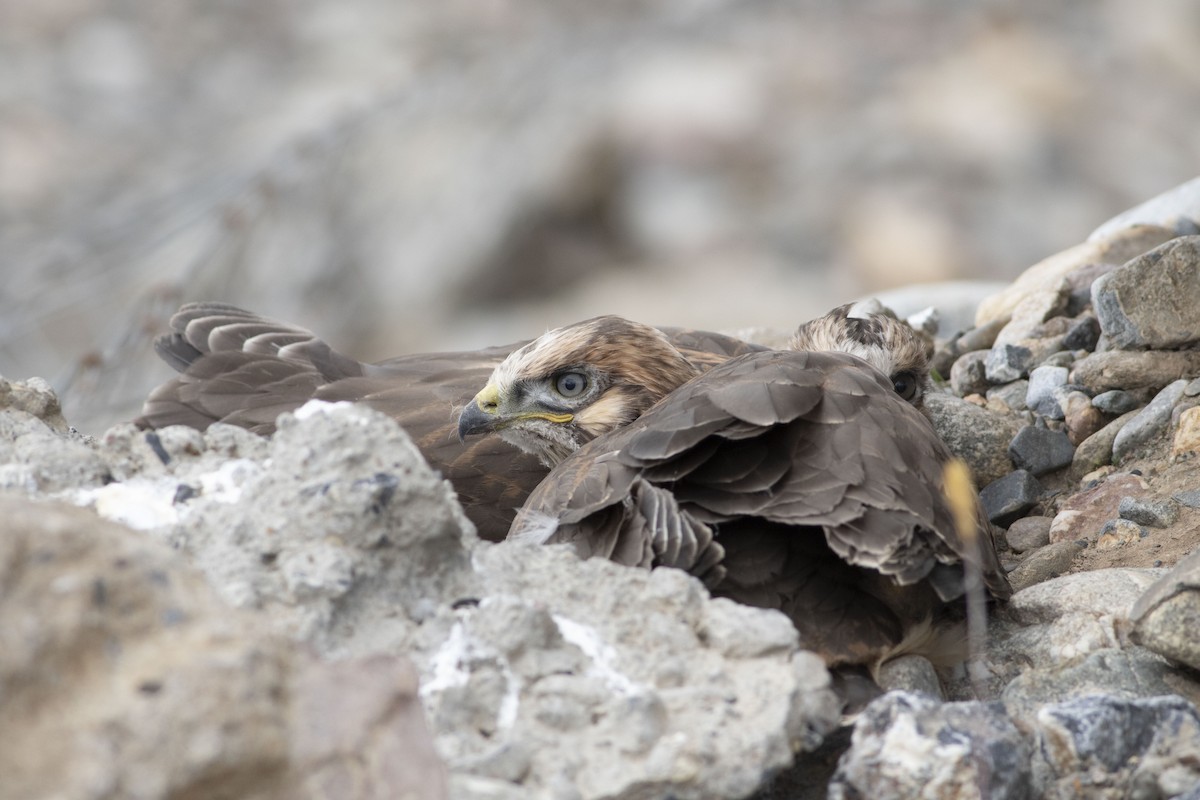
<point>188,615</point>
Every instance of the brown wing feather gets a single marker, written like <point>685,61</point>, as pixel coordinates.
<point>825,497</point>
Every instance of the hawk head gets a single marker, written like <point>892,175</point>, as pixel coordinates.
<point>873,332</point>
<point>572,384</point>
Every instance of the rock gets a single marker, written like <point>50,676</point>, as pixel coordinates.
<point>1043,564</point>
<point>1033,310</point>
<point>1120,369</point>
<point>1007,362</point>
<point>1063,358</point>
<point>1011,396</point>
<point>1115,401</point>
<point>38,453</point>
<point>1164,210</point>
<point>978,437</point>
<point>1039,450</point>
<point>1043,381</point>
<point>968,375</point>
<point>123,673</point>
<point>1028,533</point>
<point>1079,286</point>
<point>1116,248</point>
<point>1127,673</point>
<point>981,337</point>
<point>1007,499</point>
<point>908,745</point>
<point>1190,498</point>
<point>1082,418</point>
<point>1101,593</point>
<point>1167,615</point>
<point>1083,514</point>
<point>1187,435</point>
<point>1097,450</point>
<point>1150,303</point>
<point>1104,746</point>
<point>1156,514</point>
<point>1083,334</point>
<point>1119,533</point>
<point>1149,422</point>
<point>35,398</point>
<point>910,673</point>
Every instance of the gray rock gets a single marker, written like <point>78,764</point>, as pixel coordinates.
<point>1193,388</point>
<point>1039,450</point>
<point>1119,533</point>
<point>909,745</point>
<point>1007,362</point>
<point>1028,533</point>
<point>909,673</point>
<point>1040,397</point>
<point>1097,450</point>
<point>1043,564</point>
<point>1030,314</point>
<point>1113,747</point>
<point>1063,358</point>
<point>1083,334</point>
<point>975,435</point>
<point>1007,499</point>
<point>968,375</point>
<point>1149,422</point>
<point>1129,673</point>
<point>981,337</point>
<point>1115,401</point>
<point>1081,417</point>
<point>1190,498</point>
<point>1119,369</point>
<point>1150,303</point>
<point>1011,395</point>
<point>1156,514</point>
<point>1167,615</point>
<point>1164,210</point>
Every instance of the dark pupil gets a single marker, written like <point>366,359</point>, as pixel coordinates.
<point>903,384</point>
<point>570,383</point>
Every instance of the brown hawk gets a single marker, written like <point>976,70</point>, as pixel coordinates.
<point>797,481</point>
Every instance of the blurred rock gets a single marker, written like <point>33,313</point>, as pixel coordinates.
<point>969,373</point>
<point>1126,370</point>
<point>1007,499</point>
<point>1103,746</point>
<point>1031,312</point>
<point>1082,515</point>
<point>908,745</point>
<point>1115,401</point>
<point>1083,334</point>
<point>1028,533</point>
<point>1187,435</point>
<point>1156,514</point>
<point>1082,418</point>
<point>1167,615</point>
<point>1148,422</point>
<point>1039,397</point>
<point>1119,533</point>
<point>976,436</point>
<point>1164,210</point>
<point>1150,302</point>
<point>1044,563</point>
<point>1039,450</point>
<point>1097,450</point>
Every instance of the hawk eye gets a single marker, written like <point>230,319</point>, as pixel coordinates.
<point>905,383</point>
<point>570,384</point>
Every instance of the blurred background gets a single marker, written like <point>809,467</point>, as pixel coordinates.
<point>404,176</point>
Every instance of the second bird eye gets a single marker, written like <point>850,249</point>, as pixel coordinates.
<point>570,384</point>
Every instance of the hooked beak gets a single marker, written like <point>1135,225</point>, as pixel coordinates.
<point>483,414</point>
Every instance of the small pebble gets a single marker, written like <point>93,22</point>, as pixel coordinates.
<point>1190,498</point>
<point>1042,383</point>
<point>1007,362</point>
<point>968,375</point>
<point>1193,388</point>
<point>1147,512</point>
<point>1028,533</point>
<point>1115,401</point>
<point>1118,533</point>
<point>1064,358</point>
<point>1012,395</point>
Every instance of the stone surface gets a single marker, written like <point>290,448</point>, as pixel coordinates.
<point>1010,395</point>
<point>1148,422</point>
<point>1115,401</point>
<point>1039,450</point>
<point>976,436</point>
<point>1167,615</point>
<point>1109,747</point>
<point>1164,210</point>
<point>908,745</point>
<point>1043,381</point>
<point>1028,533</point>
<point>1150,303</point>
<point>1083,334</point>
<point>909,673</point>
<point>1082,418</point>
<point>1120,369</point>
<point>1007,499</point>
<point>1155,513</point>
<point>1032,311</point>
<point>1097,450</point>
<point>1083,515</point>
<point>969,374</point>
<point>1115,248</point>
<point>1044,563</point>
<point>1007,362</point>
<point>1119,533</point>
<point>124,675</point>
<point>1187,436</point>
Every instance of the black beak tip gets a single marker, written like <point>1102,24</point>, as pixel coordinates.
<point>474,420</point>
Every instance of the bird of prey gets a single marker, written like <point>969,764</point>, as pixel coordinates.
<point>792,480</point>
<point>243,369</point>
